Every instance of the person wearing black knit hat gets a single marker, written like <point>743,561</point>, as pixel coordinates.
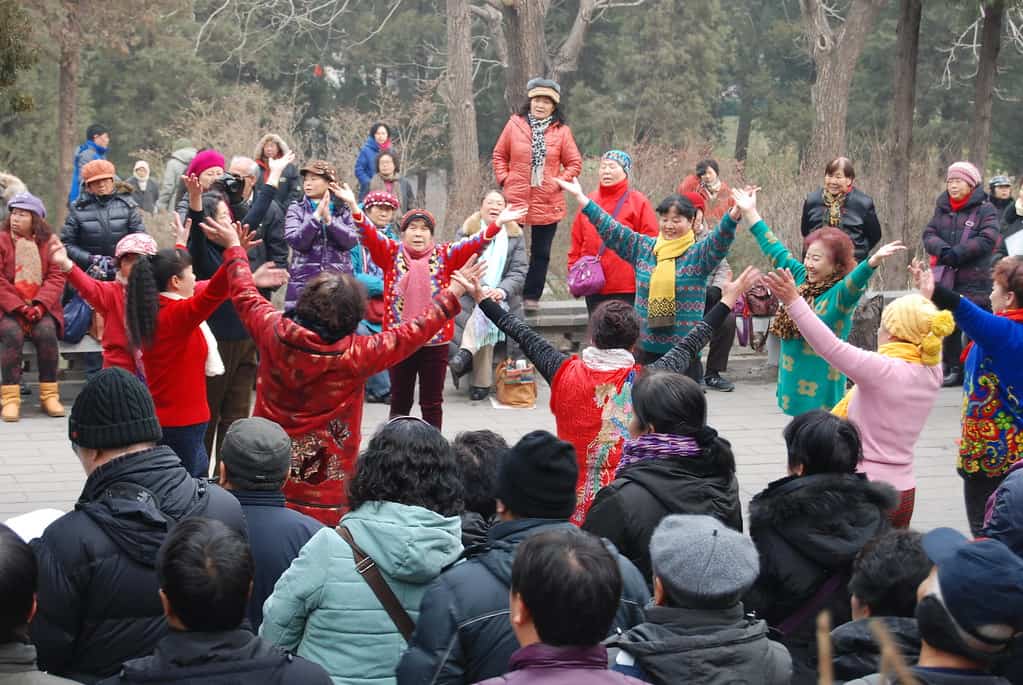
<point>463,633</point>
<point>135,492</point>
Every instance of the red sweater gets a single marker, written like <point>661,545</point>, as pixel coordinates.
<point>717,207</point>
<point>107,299</point>
<point>592,410</point>
<point>176,361</point>
<point>314,389</point>
<point>446,258</point>
<point>636,213</point>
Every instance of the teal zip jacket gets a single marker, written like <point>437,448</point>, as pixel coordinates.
<point>324,611</point>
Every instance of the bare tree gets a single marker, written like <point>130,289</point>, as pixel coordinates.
<point>835,43</point>
<point>457,92</point>
<point>984,83</point>
<point>907,41</point>
<point>524,43</point>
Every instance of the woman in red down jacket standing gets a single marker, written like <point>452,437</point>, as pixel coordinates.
<point>536,147</point>
<point>630,208</point>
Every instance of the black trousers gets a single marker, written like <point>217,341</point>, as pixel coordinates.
<point>976,492</point>
<point>541,239</point>
<point>721,342</point>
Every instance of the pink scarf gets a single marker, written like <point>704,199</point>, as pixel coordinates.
<point>415,287</point>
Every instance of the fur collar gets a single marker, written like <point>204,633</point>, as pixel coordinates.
<point>818,498</point>
<point>281,145</point>
<point>472,225</point>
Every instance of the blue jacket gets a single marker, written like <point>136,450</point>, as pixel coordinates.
<point>276,535</point>
<point>993,381</point>
<point>366,165</point>
<point>324,611</point>
<point>369,273</point>
<point>86,152</point>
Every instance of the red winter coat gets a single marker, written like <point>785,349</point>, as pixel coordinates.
<point>50,290</point>
<point>446,259</point>
<point>176,361</point>
<point>636,213</point>
<point>513,169</point>
<point>107,298</point>
<point>314,389</point>
<point>717,207</point>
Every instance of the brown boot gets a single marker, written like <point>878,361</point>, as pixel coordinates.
<point>49,399</point>
<point>10,400</point>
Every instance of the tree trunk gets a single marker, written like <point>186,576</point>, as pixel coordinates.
<point>527,47</point>
<point>458,96</point>
<point>834,53</point>
<point>984,83</point>
<point>745,126</point>
<point>907,43</point>
<point>67,98</point>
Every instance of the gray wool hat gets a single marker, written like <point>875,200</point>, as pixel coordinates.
<point>257,454</point>
<point>702,563</point>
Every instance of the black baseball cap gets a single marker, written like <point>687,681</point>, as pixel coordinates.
<point>981,584</point>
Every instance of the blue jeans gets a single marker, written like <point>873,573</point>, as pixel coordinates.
<point>187,443</point>
<point>379,384</point>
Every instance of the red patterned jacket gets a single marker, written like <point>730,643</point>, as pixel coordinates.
<point>314,389</point>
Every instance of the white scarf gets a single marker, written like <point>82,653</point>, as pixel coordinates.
<point>214,364</point>
<point>608,360</point>
<point>496,256</point>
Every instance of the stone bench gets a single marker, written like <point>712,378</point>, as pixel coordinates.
<point>86,344</point>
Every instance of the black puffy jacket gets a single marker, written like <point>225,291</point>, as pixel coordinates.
<point>95,224</point>
<point>855,652</point>
<point>1011,224</point>
<point>808,530</point>
<point>627,511</point>
<point>859,219</point>
<point>463,634</point>
<point>966,241</point>
<point>222,658</point>
<point>98,594</point>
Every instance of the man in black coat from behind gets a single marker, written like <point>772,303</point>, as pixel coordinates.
<point>463,634</point>
<point>255,460</point>
<point>205,571</point>
<point>98,602</point>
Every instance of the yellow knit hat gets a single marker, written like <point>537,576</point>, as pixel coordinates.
<point>916,320</point>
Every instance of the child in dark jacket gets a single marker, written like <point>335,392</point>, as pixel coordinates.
<point>697,631</point>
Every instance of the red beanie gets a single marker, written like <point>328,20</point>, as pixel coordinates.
<point>204,160</point>
<point>697,201</point>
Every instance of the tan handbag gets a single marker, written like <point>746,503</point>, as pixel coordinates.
<point>516,387</point>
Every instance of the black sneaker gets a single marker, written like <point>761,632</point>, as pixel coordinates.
<point>477,394</point>
<point>719,383</point>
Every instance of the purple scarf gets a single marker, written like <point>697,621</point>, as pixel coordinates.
<point>657,446</point>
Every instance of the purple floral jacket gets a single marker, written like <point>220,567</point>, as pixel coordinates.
<point>315,246</point>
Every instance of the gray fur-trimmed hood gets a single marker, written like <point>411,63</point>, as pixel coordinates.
<point>258,151</point>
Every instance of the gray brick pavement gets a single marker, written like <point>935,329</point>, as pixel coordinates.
<point>38,468</point>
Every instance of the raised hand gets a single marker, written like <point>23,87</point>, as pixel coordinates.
<point>269,275</point>
<point>731,291</point>
<point>192,185</point>
<point>472,270</point>
<point>745,199</point>
<point>923,278</point>
<point>221,232</point>
<point>280,163</point>
<point>509,214</point>
<point>246,238</point>
<point>886,251</point>
<point>181,230</point>
<point>346,194</point>
<point>573,188</point>
<point>58,254</point>
<point>783,285</point>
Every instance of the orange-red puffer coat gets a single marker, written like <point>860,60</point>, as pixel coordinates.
<point>512,162</point>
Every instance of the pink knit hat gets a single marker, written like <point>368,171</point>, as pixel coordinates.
<point>204,160</point>
<point>136,243</point>
<point>964,171</point>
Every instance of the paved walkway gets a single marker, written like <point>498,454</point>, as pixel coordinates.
<point>38,468</point>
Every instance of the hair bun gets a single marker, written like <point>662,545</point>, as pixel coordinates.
<point>706,436</point>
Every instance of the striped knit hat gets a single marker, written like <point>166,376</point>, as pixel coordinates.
<point>620,156</point>
<point>964,171</point>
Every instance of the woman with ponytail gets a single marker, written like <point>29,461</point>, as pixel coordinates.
<point>896,387</point>
<point>673,463</point>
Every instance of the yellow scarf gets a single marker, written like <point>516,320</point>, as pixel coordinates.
<point>897,350</point>
<point>661,303</point>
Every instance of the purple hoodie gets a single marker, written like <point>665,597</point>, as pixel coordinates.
<point>540,664</point>
<point>317,247</point>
